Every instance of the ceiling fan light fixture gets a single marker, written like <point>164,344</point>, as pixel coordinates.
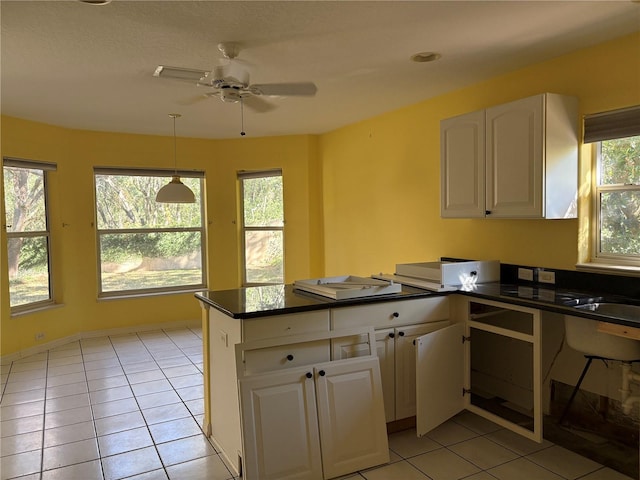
<point>175,191</point>
<point>424,57</point>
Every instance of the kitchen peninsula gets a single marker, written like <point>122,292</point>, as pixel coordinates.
<point>403,322</point>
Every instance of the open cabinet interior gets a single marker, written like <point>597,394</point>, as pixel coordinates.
<point>501,373</point>
<point>488,363</point>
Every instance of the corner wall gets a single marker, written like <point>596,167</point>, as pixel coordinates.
<point>74,255</point>
<point>382,175</point>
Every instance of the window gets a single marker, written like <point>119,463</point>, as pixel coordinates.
<point>28,234</point>
<point>616,219</point>
<point>144,246</point>
<point>262,227</point>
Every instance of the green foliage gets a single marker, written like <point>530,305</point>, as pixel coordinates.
<point>263,204</point>
<point>33,253</point>
<point>620,199</point>
<point>128,202</point>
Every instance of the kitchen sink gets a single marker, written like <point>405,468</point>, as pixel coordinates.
<point>618,310</point>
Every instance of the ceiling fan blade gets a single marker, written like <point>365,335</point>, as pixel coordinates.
<point>304,89</point>
<point>257,104</point>
<point>179,73</point>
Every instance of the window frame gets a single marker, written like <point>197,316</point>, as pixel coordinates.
<point>599,258</point>
<point>46,168</point>
<point>167,174</point>
<point>246,175</point>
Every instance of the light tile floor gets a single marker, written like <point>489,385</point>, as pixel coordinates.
<point>131,406</point>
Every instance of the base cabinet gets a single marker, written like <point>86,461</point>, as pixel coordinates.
<point>451,378</point>
<point>395,347</point>
<point>315,422</point>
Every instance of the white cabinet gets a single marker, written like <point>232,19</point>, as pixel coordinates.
<point>313,422</point>
<point>405,365</point>
<point>394,346</point>
<point>462,154</point>
<point>224,332</point>
<point>452,375</point>
<point>356,346</point>
<point>516,160</point>
<point>281,434</point>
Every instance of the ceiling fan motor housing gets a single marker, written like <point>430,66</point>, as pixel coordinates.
<point>230,93</point>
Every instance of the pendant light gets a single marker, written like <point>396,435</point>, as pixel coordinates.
<point>175,191</point>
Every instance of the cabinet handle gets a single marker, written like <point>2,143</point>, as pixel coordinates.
<point>395,314</point>
<point>414,342</point>
<point>309,375</point>
<point>401,334</point>
<point>289,357</point>
<point>392,335</point>
<point>487,212</point>
<point>322,373</point>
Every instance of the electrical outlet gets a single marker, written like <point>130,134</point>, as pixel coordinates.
<point>544,276</point>
<point>40,336</point>
<point>525,274</point>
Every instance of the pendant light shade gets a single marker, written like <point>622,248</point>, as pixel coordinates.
<point>175,191</point>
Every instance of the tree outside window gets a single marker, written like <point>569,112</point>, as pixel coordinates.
<point>263,227</point>
<point>618,200</point>
<point>28,236</point>
<point>144,246</point>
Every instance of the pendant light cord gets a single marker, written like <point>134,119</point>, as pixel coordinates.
<point>242,132</point>
<point>175,154</point>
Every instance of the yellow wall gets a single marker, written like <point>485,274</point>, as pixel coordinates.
<point>382,176</point>
<point>358,200</point>
<point>74,259</point>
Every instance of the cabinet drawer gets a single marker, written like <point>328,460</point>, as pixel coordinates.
<point>286,356</point>
<point>391,314</point>
<point>282,325</point>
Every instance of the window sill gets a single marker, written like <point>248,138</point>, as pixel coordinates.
<point>626,270</point>
<point>38,309</point>
<point>138,295</point>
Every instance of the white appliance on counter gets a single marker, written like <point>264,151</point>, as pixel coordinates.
<point>349,286</point>
<point>443,276</point>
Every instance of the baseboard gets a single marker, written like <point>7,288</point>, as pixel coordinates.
<point>43,347</point>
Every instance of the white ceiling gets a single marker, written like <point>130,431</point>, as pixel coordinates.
<point>76,65</point>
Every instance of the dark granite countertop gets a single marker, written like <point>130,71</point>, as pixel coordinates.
<point>262,301</point>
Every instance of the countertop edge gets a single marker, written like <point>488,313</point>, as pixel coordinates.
<point>412,293</point>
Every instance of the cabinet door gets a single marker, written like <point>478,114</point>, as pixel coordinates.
<point>357,346</point>
<point>514,159</point>
<point>462,158</point>
<point>353,431</point>
<point>406,365</point>
<point>440,360</point>
<point>280,426</point>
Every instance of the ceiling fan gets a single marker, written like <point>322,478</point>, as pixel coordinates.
<point>230,81</point>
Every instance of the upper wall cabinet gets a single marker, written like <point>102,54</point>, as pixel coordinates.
<point>516,160</point>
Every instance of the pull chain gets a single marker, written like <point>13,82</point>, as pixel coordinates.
<point>242,132</point>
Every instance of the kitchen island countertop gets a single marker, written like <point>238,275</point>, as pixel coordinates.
<point>268,300</point>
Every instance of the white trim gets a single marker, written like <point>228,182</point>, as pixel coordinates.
<point>43,347</point>
<point>626,270</point>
